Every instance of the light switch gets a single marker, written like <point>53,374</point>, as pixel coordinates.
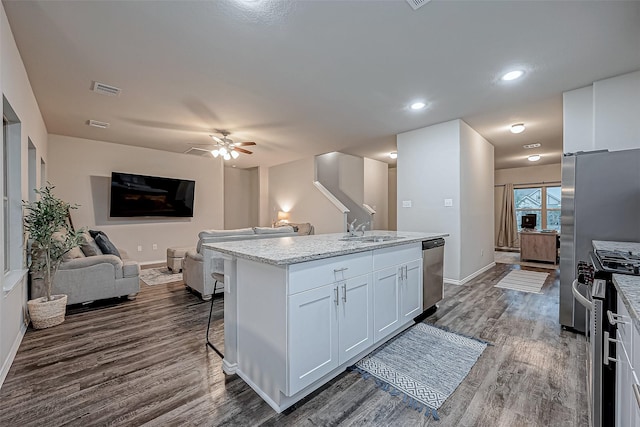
<point>406,203</point>
<point>448,202</point>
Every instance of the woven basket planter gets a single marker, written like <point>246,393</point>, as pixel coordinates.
<point>45,314</point>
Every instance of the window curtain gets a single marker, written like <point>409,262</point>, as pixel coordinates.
<point>508,229</point>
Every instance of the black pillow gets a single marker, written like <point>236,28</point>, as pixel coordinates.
<point>105,245</point>
<point>94,233</point>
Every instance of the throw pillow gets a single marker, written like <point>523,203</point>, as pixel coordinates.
<point>89,246</point>
<point>106,246</point>
<point>94,233</point>
<point>74,253</point>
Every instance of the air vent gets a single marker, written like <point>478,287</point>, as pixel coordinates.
<point>416,4</point>
<point>105,89</point>
<point>198,152</point>
<point>97,124</point>
<point>529,146</point>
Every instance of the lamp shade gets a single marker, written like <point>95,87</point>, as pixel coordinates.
<point>283,216</point>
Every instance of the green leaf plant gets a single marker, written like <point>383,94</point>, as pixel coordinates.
<point>43,218</point>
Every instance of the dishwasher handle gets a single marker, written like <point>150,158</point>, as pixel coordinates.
<point>579,297</point>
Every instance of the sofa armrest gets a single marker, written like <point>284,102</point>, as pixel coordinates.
<point>130,268</point>
<point>195,256</point>
<point>89,261</point>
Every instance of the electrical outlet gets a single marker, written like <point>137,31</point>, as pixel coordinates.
<point>448,202</point>
<point>155,247</point>
<point>139,248</point>
<point>406,203</point>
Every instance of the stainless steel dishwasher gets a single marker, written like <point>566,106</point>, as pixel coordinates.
<point>432,278</point>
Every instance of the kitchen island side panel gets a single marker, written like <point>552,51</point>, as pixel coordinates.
<point>262,325</point>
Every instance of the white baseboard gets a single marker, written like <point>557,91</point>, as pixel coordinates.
<point>153,262</point>
<point>12,354</point>
<point>471,276</point>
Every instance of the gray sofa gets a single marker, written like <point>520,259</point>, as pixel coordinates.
<point>89,278</point>
<point>197,273</point>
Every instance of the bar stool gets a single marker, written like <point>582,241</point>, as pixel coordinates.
<point>217,277</point>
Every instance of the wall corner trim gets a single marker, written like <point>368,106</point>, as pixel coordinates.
<point>6,365</point>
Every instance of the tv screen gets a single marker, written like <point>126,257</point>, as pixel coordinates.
<point>140,195</point>
<point>529,221</point>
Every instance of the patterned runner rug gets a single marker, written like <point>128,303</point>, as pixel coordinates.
<point>424,365</point>
<point>159,276</point>
<point>523,280</point>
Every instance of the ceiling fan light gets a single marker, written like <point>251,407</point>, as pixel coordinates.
<point>215,153</point>
<point>234,154</point>
<point>223,151</point>
<point>226,156</point>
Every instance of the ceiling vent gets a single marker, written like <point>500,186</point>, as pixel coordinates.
<point>416,4</point>
<point>105,89</point>
<point>529,146</point>
<point>199,152</point>
<point>97,124</point>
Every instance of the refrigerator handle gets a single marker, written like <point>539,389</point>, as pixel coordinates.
<point>579,297</point>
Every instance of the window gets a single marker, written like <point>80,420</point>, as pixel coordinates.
<point>542,201</point>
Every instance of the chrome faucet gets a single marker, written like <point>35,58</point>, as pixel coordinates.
<point>352,229</point>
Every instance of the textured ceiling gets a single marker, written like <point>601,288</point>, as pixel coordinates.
<point>304,78</point>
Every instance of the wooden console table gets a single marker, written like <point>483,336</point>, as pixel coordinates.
<point>538,246</point>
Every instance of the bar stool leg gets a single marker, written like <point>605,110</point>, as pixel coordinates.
<point>209,343</point>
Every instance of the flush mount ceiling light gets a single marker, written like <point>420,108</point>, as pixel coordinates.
<point>418,105</point>
<point>512,75</point>
<point>393,154</point>
<point>517,128</point>
<point>534,157</point>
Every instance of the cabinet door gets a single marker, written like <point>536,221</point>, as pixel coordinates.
<point>313,336</point>
<point>411,291</point>
<point>386,305</point>
<point>355,316</point>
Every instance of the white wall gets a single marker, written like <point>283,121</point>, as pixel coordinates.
<point>241,198</point>
<point>351,176</point>
<point>264,218</point>
<point>81,171</point>
<point>603,115</point>
<point>476,202</point>
<point>376,191</point>
<point>518,176</point>
<point>393,199</point>
<point>15,86</point>
<point>428,173</point>
<point>291,189</point>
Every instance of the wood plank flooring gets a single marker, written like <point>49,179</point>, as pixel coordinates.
<point>145,362</point>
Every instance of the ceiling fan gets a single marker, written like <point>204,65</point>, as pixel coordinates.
<point>225,147</point>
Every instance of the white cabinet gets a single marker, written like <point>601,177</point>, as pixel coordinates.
<point>386,302</point>
<point>411,290</point>
<point>627,366</point>
<point>328,326</point>
<point>635,379</point>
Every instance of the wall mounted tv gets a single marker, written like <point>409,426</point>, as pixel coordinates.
<point>140,195</point>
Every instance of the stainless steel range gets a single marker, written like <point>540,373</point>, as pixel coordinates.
<point>619,262</point>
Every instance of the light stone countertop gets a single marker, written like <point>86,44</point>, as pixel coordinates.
<point>293,250</point>
<point>633,247</point>
<point>629,290</point>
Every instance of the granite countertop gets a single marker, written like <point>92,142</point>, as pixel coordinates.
<point>293,250</point>
<point>632,247</point>
<point>629,290</point>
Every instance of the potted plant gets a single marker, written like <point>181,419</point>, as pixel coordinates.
<point>46,223</point>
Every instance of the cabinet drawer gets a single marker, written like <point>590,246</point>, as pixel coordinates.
<point>387,257</point>
<point>309,275</point>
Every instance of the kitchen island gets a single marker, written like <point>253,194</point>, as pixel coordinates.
<point>299,310</point>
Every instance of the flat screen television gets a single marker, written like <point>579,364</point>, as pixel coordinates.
<point>529,221</point>
<point>141,195</point>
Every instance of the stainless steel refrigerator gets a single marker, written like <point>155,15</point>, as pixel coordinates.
<point>600,201</point>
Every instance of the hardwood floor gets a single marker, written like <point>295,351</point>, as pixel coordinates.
<point>145,361</point>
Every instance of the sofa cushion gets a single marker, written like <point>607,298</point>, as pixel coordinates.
<point>106,246</point>
<point>277,230</point>
<point>89,246</point>
<point>205,234</point>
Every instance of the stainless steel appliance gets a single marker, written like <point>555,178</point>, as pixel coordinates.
<point>432,277</point>
<point>600,201</point>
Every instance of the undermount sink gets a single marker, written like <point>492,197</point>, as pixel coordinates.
<point>372,238</point>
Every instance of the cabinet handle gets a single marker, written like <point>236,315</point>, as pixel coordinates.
<point>616,318</point>
<point>337,298</point>
<point>605,356</point>
<point>406,272</point>
<point>339,270</point>
<point>636,393</point>
<point>344,293</point>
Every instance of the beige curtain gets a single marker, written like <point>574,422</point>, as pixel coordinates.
<point>508,229</point>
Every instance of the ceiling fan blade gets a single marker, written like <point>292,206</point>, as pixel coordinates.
<point>242,150</point>
<point>216,139</point>
<point>240,144</point>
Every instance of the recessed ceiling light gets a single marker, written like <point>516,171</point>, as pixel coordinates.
<point>393,154</point>
<point>517,128</point>
<point>529,146</point>
<point>418,105</point>
<point>534,158</point>
<point>512,75</point>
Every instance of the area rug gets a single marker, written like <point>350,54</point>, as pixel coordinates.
<point>424,365</point>
<point>523,280</point>
<point>159,276</point>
